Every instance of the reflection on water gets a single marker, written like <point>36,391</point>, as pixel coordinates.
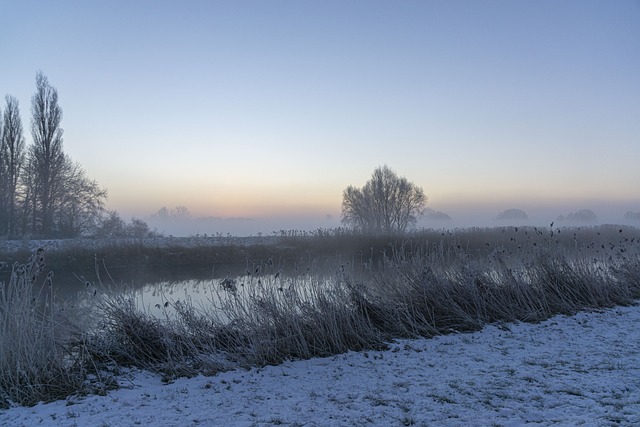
<point>159,290</point>
<point>214,296</point>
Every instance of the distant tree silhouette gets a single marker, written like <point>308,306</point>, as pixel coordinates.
<point>437,215</point>
<point>163,213</point>
<point>179,212</point>
<point>386,204</point>
<point>113,226</point>
<point>583,215</point>
<point>512,214</point>
<point>634,216</point>
<point>138,228</point>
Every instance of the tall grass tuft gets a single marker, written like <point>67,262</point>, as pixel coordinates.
<point>263,321</point>
<point>37,361</point>
<point>416,298</point>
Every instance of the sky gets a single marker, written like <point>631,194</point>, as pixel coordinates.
<point>259,114</point>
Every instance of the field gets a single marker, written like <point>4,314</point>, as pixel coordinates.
<point>376,291</point>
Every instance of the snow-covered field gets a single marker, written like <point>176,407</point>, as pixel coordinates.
<point>580,370</point>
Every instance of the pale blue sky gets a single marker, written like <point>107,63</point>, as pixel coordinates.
<point>269,109</point>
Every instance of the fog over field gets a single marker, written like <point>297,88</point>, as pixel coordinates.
<point>457,216</point>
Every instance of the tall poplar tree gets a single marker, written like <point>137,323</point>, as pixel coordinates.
<point>46,152</point>
<point>11,162</point>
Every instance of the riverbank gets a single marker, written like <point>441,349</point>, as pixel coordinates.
<point>416,286</point>
<point>578,370</point>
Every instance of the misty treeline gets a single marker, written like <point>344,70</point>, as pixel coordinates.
<point>43,192</point>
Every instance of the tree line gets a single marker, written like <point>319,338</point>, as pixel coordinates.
<point>43,192</point>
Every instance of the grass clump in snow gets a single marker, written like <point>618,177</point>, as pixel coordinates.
<point>37,360</point>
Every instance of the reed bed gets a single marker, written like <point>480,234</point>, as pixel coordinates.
<point>39,355</point>
<point>379,289</point>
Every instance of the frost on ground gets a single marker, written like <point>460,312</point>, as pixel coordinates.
<point>151,242</point>
<point>580,370</point>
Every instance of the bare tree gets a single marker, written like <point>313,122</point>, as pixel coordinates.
<point>3,186</point>
<point>111,225</point>
<point>386,204</point>
<point>57,197</point>
<point>46,151</point>
<point>163,213</point>
<point>77,201</point>
<point>181,212</point>
<point>138,229</point>
<point>11,162</point>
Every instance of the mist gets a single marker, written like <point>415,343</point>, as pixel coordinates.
<point>240,226</point>
<point>454,215</point>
